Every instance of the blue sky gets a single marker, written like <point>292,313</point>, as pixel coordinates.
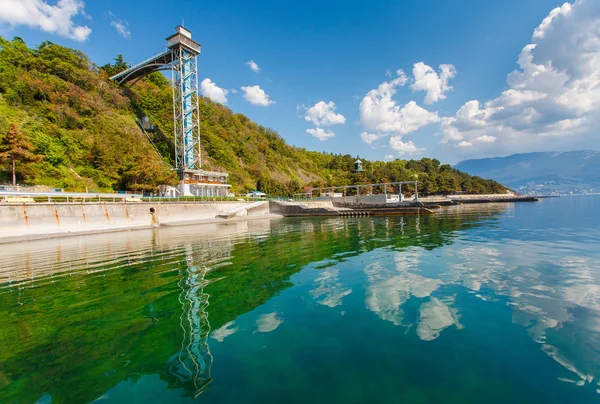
<point>461,93</point>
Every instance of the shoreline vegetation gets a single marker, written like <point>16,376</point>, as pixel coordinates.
<point>85,135</point>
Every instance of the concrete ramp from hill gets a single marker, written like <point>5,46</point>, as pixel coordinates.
<point>254,208</point>
<point>308,208</point>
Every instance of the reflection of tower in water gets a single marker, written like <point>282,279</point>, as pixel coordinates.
<point>194,361</point>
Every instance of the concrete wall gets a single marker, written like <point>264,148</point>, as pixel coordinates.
<point>308,208</point>
<point>363,200</point>
<point>44,219</point>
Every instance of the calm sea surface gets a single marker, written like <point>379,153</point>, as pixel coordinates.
<point>478,304</point>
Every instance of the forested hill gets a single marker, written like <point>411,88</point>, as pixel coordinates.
<point>83,132</point>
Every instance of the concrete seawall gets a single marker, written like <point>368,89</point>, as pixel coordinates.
<point>308,208</point>
<point>41,220</point>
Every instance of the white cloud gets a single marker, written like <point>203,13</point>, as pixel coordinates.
<point>369,138</point>
<point>380,113</point>
<point>56,19</point>
<point>119,25</point>
<point>212,91</point>
<point>486,139</point>
<point>389,157</point>
<point>449,132</point>
<point>401,147</point>
<point>554,93</point>
<point>321,133</point>
<point>233,91</point>
<point>381,116</point>
<point>253,66</point>
<point>256,96</point>
<point>434,84</point>
<point>323,114</point>
<point>547,22</point>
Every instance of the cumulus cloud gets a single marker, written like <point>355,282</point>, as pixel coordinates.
<point>380,113</point>
<point>253,66</point>
<point>435,85</point>
<point>56,19</point>
<point>402,148</point>
<point>382,116</point>
<point>486,139</point>
<point>369,138</point>
<point>212,91</point>
<point>119,25</point>
<point>323,114</point>
<point>554,93</point>
<point>321,133</point>
<point>256,96</point>
<point>540,31</point>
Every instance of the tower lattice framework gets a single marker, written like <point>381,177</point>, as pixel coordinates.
<point>186,113</point>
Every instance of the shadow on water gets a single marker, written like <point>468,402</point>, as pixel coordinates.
<point>81,316</point>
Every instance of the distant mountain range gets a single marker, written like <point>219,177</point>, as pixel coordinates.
<point>554,173</point>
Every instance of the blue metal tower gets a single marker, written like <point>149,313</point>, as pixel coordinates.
<point>186,117</point>
<point>181,58</point>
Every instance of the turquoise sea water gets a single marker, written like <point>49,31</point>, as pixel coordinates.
<point>477,304</point>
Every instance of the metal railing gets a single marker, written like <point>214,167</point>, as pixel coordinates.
<point>14,197</point>
<point>39,197</point>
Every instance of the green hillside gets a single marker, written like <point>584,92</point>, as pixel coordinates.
<point>83,128</point>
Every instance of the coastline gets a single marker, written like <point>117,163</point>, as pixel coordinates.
<point>35,221</point>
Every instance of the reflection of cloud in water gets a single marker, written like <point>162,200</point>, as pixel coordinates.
<point>389,289</point>
<point>268,322</point>
<point>435,316</point>
<point>552,352</point>
<point>475,266</point>
<point>546,294</point>
<point>330,288</point>
<point>554,295</point>
<point>386,297</point>
<point>223,332</point>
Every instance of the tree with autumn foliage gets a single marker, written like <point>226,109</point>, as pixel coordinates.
<point>15,148</point>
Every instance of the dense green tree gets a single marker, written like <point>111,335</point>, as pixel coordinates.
<point>115,68</point>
